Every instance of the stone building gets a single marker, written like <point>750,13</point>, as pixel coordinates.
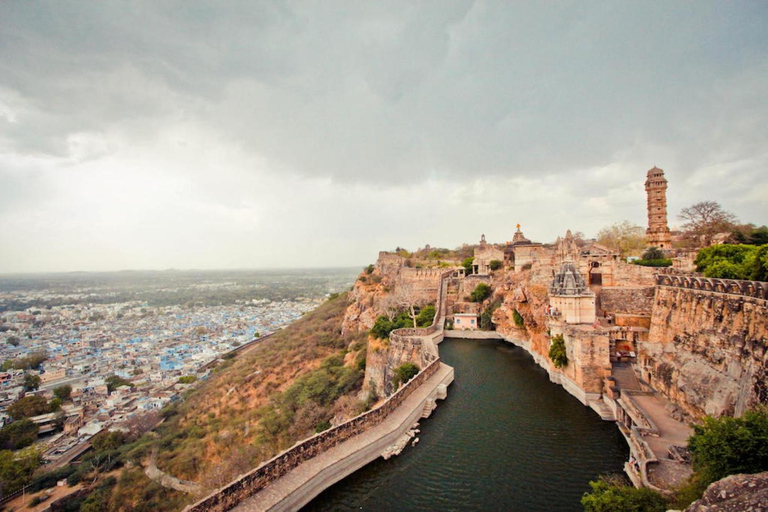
<point>485,253</point>
<point>570,297</point>
<point>657,234</point>
<point>521,252</point>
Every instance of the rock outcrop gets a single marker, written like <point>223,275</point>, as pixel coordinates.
<point>736,493</point>
<point>708,351</point>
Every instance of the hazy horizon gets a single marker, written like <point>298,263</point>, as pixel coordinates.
<point>263,134</point>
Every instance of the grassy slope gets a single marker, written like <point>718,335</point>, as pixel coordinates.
<point>300,380</point>
<point>263,402</point>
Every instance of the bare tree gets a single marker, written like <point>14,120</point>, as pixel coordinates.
<point>405,296</point>
<point>704,220</point>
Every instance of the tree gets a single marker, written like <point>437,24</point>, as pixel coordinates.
<point>495,264</point>
<point>113,382</point>
<point>467,264</point>
<point>557,352</point>
<point>31,382</point>
<point>726,446</point>
<point>16,469</point>
<point>18,434</point>
<point>63,393</point>
<point>704,220</point>
<point>13,340</point>
<point>405,372</point>
<point>624,237</point>
<point>612,494</point>
<point>405,297</point>
<point>32,405</point>
<point>653,253</point>
<point>481,292</point>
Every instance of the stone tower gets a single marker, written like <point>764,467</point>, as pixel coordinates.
<point>656,189</point>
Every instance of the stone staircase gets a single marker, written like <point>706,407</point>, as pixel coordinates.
<point>625,377</point>
<point>429,406</point>
<point>601,408</point>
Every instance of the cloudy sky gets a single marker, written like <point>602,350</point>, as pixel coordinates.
<point>266,134</point>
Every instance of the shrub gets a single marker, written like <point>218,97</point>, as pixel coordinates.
<point>557,353</point>
<point>654,253</point>
<point>369,269</point>
<point>518,318</point>
<point>653,263</point>
<point>383,325</point>
<point>187,379</point>
<point>405,372</point>
<point>486,318</point>
<point>612,494</point>
<point>467,264</point>
<point>426,316</point>
<point>480,293</point>
<point>734,262</point>
<point>495,264</point>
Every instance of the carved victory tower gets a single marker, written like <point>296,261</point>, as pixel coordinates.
<point>657,233</point>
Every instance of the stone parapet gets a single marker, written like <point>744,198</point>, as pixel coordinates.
<point>249,484</point>
<point>755,289</point>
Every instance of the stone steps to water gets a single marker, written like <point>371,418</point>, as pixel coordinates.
<point>601,408</point>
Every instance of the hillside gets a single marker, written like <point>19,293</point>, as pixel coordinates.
<point>304,379</point>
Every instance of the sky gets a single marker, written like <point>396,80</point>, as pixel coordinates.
<point>153,135</point>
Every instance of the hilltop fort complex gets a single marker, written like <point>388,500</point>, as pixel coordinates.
<point>650,349</point>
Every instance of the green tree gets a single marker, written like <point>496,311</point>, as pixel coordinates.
<point>28,406</point>
<point>726,446</point>
<point>405,372</point>
<point>612,494</point>
<point>624,237</point>
<point>557,352</point>
<point>467,264</point>
<point>654,253</point>
<point>16,469</point>
<point>481,292</point>
<point>495,264</point>
<point>519,320</point>
<point>113,382</point>
<point>13,340</point>
<point>63,393</point>
<point>31,382</point>
<point>18,434</point>
<point>425,316</point>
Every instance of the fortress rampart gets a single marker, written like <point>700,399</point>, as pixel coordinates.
<point>256,480</point>
<point>707,348</point>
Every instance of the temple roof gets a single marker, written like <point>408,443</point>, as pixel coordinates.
<point>568,282</point>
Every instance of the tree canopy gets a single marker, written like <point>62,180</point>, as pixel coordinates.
<point>734,262</point>
<point>28,406</point>
<point>704,220</point>
<point>624,237</point>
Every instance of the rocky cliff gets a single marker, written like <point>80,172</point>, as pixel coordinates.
<point>707,351</point>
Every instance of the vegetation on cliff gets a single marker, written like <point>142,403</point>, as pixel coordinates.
<point>385,325</point>
<point>615,494</point>
<point>734,262</point>
<point>405,372</point>
<point>481,292</point>
<point>557,353</point>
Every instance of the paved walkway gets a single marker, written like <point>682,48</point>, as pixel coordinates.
<point>308,479</point>
<point>667,473</point>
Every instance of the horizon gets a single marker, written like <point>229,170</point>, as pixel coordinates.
<point>313,136</point>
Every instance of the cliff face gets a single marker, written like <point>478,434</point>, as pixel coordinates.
<point>708,350</point>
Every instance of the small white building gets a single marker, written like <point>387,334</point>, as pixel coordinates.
<point>570,297</point>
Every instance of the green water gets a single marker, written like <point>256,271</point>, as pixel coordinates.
<point>506,438</point>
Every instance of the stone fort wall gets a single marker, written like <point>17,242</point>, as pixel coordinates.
<point>707,348</point>
<point>256,480</point>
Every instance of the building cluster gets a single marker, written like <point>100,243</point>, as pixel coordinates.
<point>150,348</point>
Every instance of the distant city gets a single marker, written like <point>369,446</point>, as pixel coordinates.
<point>123,344</point>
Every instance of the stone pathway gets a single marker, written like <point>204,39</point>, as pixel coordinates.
<point>272,497</point>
